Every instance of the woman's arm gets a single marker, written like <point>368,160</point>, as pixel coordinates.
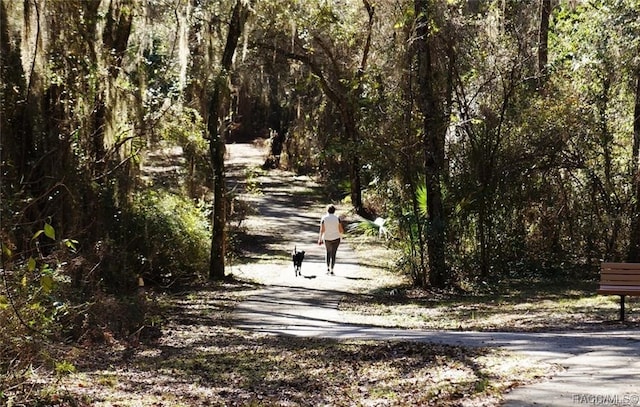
<point>321,233</point>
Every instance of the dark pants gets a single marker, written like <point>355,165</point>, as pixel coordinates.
<point>332,248</point>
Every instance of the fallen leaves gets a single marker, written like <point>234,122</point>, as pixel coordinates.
<point>201,360</point>
<point>541,308</point>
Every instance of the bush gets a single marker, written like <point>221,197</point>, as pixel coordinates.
<point>166,239</point>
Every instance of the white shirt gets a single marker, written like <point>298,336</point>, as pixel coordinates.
<point>331,226</point>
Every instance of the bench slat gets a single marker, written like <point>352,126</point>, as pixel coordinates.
<point>618,292</point>
<point>621,266</point>
<point>612,287</point>
<point>622,286</point>
<point>620,280</point>
<point>620,273</point>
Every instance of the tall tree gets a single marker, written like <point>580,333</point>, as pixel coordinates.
<point>630,22</point>
<point>324,40</point>
<point>217,140</point>
<point>633,254</point>
<point>543,40</point>
<point>434,79</point>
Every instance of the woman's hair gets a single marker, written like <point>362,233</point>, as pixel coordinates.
<point>331,209</point>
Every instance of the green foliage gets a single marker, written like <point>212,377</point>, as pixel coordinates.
<point>34,301</point>
<point>364,227</point>
<point>421,199</point>
<point>48,231</point>
<point>252,184</point>
<point>64,368</point>
<point>167,239</point>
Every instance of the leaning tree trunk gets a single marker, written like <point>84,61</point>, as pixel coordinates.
<point>217,141</point>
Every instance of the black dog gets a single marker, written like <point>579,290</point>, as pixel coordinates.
<point>297,257</point>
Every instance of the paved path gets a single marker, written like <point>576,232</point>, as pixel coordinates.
<point>602,368</point>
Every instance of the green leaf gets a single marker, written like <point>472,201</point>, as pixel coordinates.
<point>4,303</point>
<point>31,264</point>
<point>71,244</point>
<point>5,250</point>
<point>49,231</point>
<point>421,197</point>
<point>46,282</point>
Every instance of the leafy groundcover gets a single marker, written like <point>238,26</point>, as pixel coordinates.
<point>201,360</point>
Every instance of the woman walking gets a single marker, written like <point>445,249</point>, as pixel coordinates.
<point>331,231</point>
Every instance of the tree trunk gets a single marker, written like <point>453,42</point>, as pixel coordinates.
<point>217,141</point>
<point>633,254</point>
<point>543,40</point>
<point>353,138</point>
<point>352,125</point>
<point>431,104</point>
<point>217,150</point>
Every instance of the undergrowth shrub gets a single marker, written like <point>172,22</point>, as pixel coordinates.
<point>109,318</point>
<point>165,238</point>
<point>42,305</point>
<point>33,300</point>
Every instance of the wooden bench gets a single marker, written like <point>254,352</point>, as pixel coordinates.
<point>620,279</point>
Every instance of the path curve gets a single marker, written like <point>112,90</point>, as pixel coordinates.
<point>601,367</point>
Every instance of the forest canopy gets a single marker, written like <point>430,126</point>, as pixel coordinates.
<point>499,139</point>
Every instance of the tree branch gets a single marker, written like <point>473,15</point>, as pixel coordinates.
<point>308,61</point>
<point>367,45</point>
